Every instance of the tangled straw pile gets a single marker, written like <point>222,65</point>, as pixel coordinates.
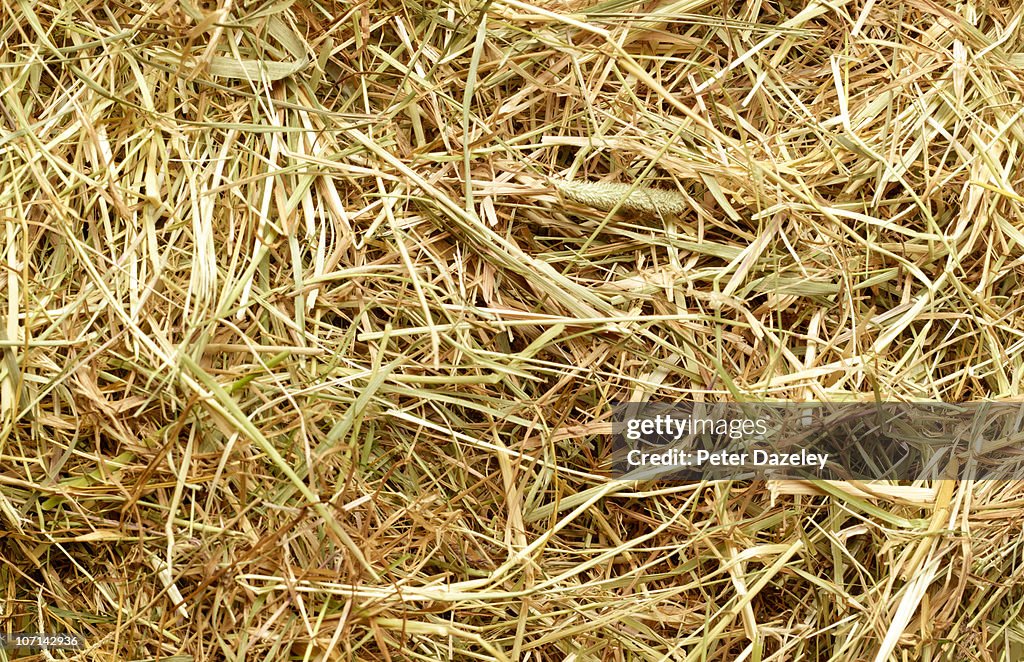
<point>306,357</point>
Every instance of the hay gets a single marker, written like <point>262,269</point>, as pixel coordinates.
<point>307,353</point>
